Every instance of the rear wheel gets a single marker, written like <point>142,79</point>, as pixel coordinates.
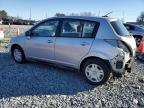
<point>18,54</point>
<point>96,71</point>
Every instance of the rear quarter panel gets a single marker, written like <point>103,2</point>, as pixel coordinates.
<point>102,50</point>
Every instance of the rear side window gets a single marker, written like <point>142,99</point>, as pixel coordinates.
<point>88,28</point>
<point>119,28</point>
<point>79,29</point>
<point>71,29</point>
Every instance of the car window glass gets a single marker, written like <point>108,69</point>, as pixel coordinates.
<point>46,29</point>
<point>119,28</point>
<point>129,27</point>
<point>132,27</point>
<point>88,29</point>
<point>71,29</point>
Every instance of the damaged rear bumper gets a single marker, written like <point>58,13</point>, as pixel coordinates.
<point>129,65</point>
<point>121,63</point>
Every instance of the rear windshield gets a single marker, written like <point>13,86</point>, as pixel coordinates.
<point>120,28</point>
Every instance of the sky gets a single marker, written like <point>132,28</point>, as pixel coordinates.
<point>41,9</point>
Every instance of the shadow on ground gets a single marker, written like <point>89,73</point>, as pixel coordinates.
<point>36,78</point>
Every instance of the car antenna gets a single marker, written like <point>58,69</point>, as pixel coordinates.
<point>107,14</point>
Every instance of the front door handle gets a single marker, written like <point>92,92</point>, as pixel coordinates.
<point>84,43</point>
<point>50,41</point>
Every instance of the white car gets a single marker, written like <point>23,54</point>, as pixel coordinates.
<point>1,21</point>
<point>1,33</point>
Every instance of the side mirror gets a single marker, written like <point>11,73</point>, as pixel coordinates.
<point>28,33</point>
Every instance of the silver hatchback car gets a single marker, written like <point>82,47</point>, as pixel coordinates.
<point>96,46</point>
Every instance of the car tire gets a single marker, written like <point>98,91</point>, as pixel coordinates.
<point>18,54</point>
<point>96,71</point>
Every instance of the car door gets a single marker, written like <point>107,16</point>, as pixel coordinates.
<point>40,44</point>
<point>74,41</point>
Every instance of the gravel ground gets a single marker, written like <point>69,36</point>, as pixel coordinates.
<point>36,84</point>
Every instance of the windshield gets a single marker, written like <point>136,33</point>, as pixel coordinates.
<point>119,28</point>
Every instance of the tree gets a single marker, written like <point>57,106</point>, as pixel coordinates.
<point>87,14</point>
<point>59,14</point>
<point>3,14</point>
<point>82,14</point>
<point>140,18</point>
<point>74,14</point>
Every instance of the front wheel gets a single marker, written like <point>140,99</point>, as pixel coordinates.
<point>96,71</point>
<point>18,54</point>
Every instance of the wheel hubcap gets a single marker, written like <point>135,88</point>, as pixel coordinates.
<point>94,73</point>
<point>17,55</point>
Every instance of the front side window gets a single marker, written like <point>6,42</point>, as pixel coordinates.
<point>71,29</point>
<point>47,28</point>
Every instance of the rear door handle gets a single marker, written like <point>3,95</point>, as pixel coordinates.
<point>50,41</point>
<point>84,43</point>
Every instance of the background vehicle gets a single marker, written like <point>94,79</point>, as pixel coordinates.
<point>137,32</point>
<point>1,33</point>
<point>32,22</point>
<point>36,22</point>
<point>7,21</point>
<point>96,46</point>
<point>1,21</point>
<point>19,22</point>
<point>26,22</point>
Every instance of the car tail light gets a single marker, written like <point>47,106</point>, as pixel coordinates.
<point>119,44</point>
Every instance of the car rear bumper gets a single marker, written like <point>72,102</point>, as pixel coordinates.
<point>122,63</point>
<point>129,64</point>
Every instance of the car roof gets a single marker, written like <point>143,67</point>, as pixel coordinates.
<point>85,18</point>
